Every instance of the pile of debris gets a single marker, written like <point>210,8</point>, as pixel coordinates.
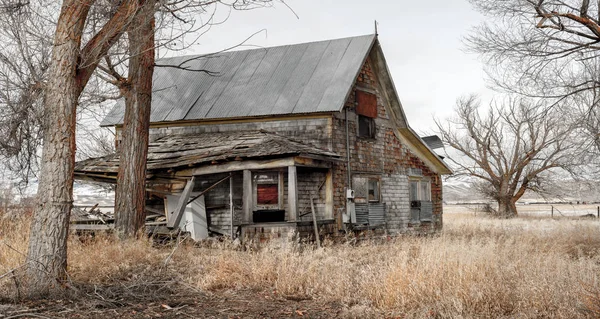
<point>92,219</point>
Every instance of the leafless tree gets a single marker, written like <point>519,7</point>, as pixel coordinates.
<point>26,46</point>
<point>85,32</point>
<point>545,49</point>
<point>510,148</point>
<point>72,64</point>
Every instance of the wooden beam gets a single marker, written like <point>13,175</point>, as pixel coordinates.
<point>247,198</point>
<point>315,226</point>
<point>231,212</point>
<point>311,162</point>
<point>210,188</point>
<point>329,195</point>
<point>292,193</point>
<point>91,226</point>
<point>237,166</point>
<point>175,216</point>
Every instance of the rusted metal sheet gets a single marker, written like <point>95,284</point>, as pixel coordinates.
<point>366,104</point>
<point>294,79</point>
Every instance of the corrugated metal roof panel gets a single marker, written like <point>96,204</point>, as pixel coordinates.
<point>185,93</point>
<point>251,99</point>
<point>239,83</point>
<point>346,72</point>
<point>277,82</point>
<point>227,71</point>
<point>321,77</point>
<point>288,96</point>
<point>295,79</point>
<point>433,141</point>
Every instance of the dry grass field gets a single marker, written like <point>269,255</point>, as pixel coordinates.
<point>477,267</point>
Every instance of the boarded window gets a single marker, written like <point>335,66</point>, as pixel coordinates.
<point>366,104</point>
<point>267,190</point>
<point>267,194</point>
<point>414,190</point>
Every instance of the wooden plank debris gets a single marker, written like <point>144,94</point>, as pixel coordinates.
<point>175,217</point>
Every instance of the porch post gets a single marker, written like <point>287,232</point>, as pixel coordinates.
<point>247,198</point>
<point>292,193</point>
<point>329,195</point>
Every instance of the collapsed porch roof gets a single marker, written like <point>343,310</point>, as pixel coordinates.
<point>177,153</point>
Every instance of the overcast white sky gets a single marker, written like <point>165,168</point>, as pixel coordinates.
<point>421,41</point>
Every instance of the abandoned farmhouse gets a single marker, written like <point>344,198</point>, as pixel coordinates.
<point>270,140</point>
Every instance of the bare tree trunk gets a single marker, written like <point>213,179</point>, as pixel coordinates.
<point>507,207</point>
<point>131,184</point>
<point>47,255</point>
<point>70,70</point>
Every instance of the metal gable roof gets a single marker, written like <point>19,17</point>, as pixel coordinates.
<point>292,79</point>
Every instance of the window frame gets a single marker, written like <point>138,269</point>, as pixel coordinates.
<point>371,127</point>
<point>420,195</point>
<point>368,178</point>
<point>377,190</point>
<point>366,103</point>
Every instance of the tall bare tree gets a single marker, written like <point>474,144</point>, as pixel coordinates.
<point>510,148</point>
<point>545,49</point>
<point>85,33</point>
<point>71,67</point>
<point>131,185</point>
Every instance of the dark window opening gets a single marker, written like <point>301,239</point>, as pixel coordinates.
<point>373,190</point>
<point>366,127</point>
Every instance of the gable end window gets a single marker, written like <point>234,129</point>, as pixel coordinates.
<point>366,109</point>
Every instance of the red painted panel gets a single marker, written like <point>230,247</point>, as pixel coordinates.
<point>267,194</point>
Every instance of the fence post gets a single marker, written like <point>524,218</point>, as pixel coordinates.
<point>552,211</point>
<point>598,211</point>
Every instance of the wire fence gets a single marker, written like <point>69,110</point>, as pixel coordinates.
<point>555,210</point>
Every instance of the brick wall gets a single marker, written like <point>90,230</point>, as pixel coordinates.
<point>383,156</point>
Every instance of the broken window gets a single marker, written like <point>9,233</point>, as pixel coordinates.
<point>420,190</point>
<point>366,108</point>
<point>421,207</point>
<point>374,190</point>
<point>367,198</point>
<point>366,127</point>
